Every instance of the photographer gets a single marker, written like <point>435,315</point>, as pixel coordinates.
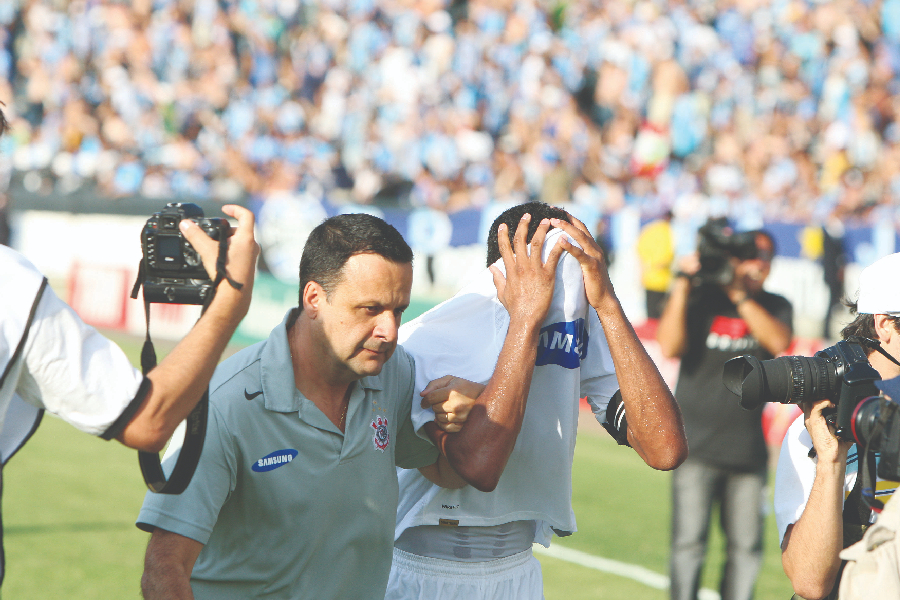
<point>816,470</point>
<point>715,313</point>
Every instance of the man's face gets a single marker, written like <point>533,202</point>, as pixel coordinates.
<point>754,272</point>
<point>361,315</point>
<point>886,330</point>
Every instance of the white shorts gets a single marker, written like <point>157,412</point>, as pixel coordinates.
<point>516,577</point>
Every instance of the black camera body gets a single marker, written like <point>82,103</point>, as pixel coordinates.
<point>173,271</point>
<point>840,373</point>
<point>716,246</point>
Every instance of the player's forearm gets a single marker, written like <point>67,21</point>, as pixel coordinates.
<point>811,547</point>
<point>671,332</point>
<point>655,426</point>
<point>180,379</point>
<point>479,452</point>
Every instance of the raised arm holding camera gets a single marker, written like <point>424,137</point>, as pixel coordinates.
<point>54,361</point>
<point>717,309</point>
<point>51,360</point>
<point>817,510</point>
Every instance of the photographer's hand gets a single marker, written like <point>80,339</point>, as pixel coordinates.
<point>829,448</point>
<point>178,382</point>
<point>811,546</point>
<point>240,263</point>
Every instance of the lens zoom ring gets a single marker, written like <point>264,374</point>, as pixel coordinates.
<point>798,394</point>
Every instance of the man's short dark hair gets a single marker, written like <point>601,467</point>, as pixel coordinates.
<point>336,239</point>
<point>512,216</point>
<point>863,325</point>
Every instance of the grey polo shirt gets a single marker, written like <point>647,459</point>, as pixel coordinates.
<point>285,504</point>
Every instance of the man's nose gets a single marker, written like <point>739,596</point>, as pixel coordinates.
<point>386,326</point>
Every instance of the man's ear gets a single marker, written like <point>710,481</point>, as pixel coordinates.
<point>884,328</point>
<point>313,295</point>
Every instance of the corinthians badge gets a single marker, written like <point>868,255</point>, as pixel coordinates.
<point>382,436</point>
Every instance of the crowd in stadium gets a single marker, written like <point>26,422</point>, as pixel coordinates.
<point>780,109</point>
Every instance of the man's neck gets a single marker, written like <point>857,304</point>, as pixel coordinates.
<point>316,374</point>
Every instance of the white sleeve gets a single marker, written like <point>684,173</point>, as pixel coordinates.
<point>794,476</point>
<point>71,370</point>
<point>598,374</point>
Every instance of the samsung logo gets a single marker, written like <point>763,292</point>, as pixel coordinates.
<point>563,344</point>
<point>279,458</point>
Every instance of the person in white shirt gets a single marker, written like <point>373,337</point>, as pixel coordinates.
<point>466,544</point>
<point>50,360</point>
<point>817,470</point>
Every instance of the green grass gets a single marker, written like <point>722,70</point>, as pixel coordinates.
<point>70,501</point>
<point>623,511</point>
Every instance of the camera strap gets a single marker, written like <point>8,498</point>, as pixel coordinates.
<point>195,424</point>
<point>194,435</point>
<point>874,345</point>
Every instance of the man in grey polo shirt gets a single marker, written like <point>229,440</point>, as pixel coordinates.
<point>295,494</point>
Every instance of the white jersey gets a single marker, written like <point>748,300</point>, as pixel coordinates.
<point>796,472</point>
<point>463,336</point>
<point>52,360</point>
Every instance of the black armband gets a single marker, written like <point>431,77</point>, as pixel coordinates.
<point>616,423</point>
<point>128,414</point>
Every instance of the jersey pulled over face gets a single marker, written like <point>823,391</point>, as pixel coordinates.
<point>361,315</point>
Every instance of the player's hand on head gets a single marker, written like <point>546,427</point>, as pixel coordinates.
<point>527,288</point>
<point>451,398</point>
<point>589,255</point>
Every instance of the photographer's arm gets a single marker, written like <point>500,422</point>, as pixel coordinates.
<point>179,381</point>
<point>655,426</point>
<point>811,546</point>
<point>773,334</point>
<point>671,332</point>
<point>168,565</point>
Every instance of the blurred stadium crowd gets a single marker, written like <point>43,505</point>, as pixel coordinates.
<point>782,109</point>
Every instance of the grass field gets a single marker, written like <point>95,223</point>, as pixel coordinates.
<point>70,501</point>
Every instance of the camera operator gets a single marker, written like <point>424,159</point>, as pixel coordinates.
<point>52,360</point>
<point>708,319</point>
<point>816,470</point>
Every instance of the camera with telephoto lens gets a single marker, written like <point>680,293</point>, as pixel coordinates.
<point>717,244</point>
<point>840,373</point>
<point>173,271</point>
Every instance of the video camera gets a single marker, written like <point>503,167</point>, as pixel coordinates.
<point>716,245</point>
<point>840,373</point>
<point>173,271</point>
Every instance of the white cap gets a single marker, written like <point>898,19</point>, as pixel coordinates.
<point>879,287</point>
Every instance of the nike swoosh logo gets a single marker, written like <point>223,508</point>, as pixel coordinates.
<point>250,396</point>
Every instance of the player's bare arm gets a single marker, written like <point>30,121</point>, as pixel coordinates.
<point>480,450</point>
<point>655,426</point>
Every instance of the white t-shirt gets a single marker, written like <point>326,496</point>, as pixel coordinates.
<point>796,472</point>
<point>463,337</point>
<point>65,366</point>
